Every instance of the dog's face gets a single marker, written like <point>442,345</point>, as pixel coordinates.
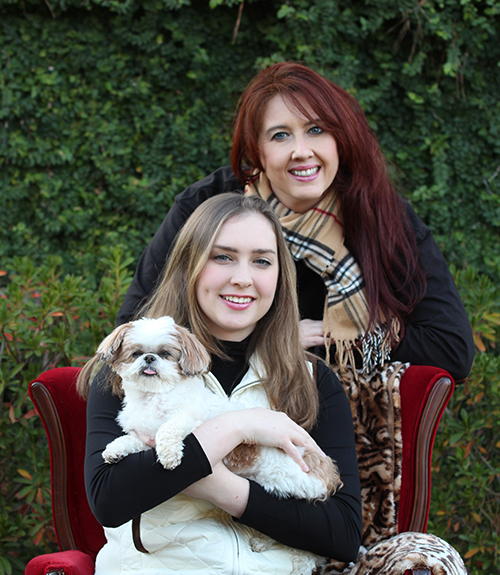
<point>153,354</point>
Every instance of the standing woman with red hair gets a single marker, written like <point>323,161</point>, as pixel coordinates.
<point>373,285</point>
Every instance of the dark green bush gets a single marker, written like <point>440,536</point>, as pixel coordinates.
<point>109,108</point>
<point>465,503</point>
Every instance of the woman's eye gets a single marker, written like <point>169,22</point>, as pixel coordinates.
<point>263,262</point>
<point>316,130</point>
<point>279,136</point>
<point>222,258</point>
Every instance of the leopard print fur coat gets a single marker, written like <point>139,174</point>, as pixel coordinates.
<point>379,444</point>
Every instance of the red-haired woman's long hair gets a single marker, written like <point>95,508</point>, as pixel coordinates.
<point>377,229</point>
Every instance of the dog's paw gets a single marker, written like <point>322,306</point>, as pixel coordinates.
<point>169,460</point>
<point>259,544</point>
<point>169,448</point>
<point>111,456</point>
<point>121,447</point>
<point>169,455</point>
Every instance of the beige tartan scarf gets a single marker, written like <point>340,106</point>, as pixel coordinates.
<point>317,237</point>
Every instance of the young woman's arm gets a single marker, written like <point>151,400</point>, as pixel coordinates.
<point>220,435</point>
<point>121,491</point>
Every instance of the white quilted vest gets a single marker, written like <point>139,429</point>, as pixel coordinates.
<point>189,536</point>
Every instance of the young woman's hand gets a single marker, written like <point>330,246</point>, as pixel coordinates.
<point>220,435</point>
<point>311,333</point>
<point>275,429</point>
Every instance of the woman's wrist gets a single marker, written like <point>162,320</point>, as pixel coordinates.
<point>219,436</point>
<point>224,489</point>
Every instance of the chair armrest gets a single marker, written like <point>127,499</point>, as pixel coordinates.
<point>436,402</point>
<point>63,414</point>
<point>63,563</point>
<point>425,392</point>
<point>44,401</point>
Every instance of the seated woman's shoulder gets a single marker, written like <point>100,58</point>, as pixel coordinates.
<point>326,378</point>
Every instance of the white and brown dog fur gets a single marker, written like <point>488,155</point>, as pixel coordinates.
<point>165,397</point>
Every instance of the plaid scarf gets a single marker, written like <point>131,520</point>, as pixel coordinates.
<point>317,237</point>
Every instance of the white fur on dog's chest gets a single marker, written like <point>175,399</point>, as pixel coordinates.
<point>146,412</point>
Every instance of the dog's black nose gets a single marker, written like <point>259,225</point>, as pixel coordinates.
<point>149,358</point>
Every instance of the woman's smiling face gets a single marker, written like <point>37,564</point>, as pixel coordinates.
<point>299,158</point>
<point>236,287</point>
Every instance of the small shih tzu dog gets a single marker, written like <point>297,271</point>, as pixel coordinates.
<point>165,398</point>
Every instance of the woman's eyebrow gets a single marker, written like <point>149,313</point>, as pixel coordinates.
<point>274,128</point>
<point>234,250</point>
<point>263,251</point>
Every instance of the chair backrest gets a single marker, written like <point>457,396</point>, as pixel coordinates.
<point>425,392</point>
<point>63,413</point>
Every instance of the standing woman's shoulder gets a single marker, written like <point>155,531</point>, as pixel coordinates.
<point>417,225</point>
<point>218,182</point>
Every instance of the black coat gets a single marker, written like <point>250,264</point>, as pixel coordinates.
<point>438,332</point>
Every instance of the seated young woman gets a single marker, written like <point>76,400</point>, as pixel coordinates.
<point>230,279</point>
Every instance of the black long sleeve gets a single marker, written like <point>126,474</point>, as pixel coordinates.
<point>438,332</point>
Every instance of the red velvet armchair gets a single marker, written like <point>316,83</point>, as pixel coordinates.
<point>425,392</point>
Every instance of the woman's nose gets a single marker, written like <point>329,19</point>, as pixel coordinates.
<point>242,276</point>
<point>301,149</point>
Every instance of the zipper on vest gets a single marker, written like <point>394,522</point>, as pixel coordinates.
<point>236,569</point>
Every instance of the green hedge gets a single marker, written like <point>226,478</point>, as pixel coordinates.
<point>109,108</point>
<point>465,499</point>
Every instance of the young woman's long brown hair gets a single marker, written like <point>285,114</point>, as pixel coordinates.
<point>287,378</point>
<point>377,230</point>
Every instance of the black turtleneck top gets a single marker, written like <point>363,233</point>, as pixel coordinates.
<point>120,492</point>
<point>230,372</point>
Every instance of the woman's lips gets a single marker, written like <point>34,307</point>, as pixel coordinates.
<point>237,302</point>
<point>305,173</point>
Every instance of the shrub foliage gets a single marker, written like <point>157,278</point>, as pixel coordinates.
<point>47,319</point>
<point>109,108</point>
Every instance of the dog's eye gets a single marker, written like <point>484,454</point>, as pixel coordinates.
<point>164,354</point>
<point>137,354</point>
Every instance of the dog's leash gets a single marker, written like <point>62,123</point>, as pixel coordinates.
<point>136,535</point>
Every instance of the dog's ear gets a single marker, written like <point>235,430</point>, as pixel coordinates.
<point>194,359</point>
<point>111,344</point>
